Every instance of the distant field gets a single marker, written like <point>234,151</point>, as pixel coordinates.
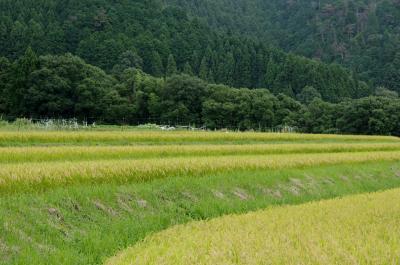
<point>81,197</point>
<point>363,229</point>
<point>156,137</point>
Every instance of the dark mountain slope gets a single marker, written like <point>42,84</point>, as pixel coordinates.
<point>363,35</point>
<point>162,40</point>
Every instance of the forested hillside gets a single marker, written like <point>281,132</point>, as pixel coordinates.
<point>67,87</point>
<point>161,41</point>
<point>132,62</point>
<point>363,35</point>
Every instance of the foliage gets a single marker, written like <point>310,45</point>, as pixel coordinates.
<point>162,40</point>
<point>308,94</point>
<point>56,86</point>
<point>362,35</point>
<point>67,87</point>
<point>142,47</point>
<point>384,92</point>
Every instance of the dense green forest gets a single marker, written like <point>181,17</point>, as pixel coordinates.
<point>363,35</point>
<point>211,63</point>
<point>163,40</point>
<point>67,87</point>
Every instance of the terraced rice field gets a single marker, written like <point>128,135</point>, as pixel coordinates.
<point>107,197</point>
<point>361,229</point>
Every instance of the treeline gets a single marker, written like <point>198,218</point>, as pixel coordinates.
<point>162,41</point>
<point>362,35</point>
<point>67,87</point>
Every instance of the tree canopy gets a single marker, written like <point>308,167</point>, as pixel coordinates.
<point>65,86</point>
<point>221,64</point>
<point>362,35</point>
<point>162,39</point>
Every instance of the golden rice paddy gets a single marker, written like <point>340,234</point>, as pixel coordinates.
<point>362,229</point>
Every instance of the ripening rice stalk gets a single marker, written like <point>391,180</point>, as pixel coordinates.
<point>34,175</point>
<point>81,153</point>
<point>112,137</point>
<point>362,229</point>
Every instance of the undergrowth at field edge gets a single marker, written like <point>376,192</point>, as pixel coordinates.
<point>87,224</point>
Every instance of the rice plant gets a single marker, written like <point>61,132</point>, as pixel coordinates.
<point>362,229</point>
<point>31,176</point>
<point>77,197</point>
<point>85,153</point>
<point>155,137</point>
